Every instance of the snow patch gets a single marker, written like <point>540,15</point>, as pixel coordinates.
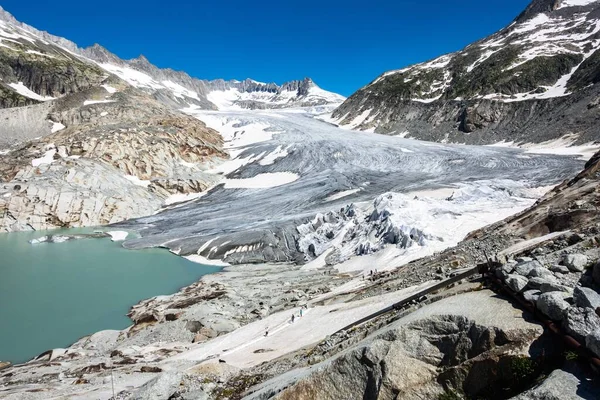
<point>57,126</point>
<point>110,89</point>
<point>575,3</point>
<point>48,158</point>
<point>205,261</point>
<point>340,195</point>
<point>137,181</point>
<point>89,102</point>
<point>118,236</point>
<point>269,159</point>
<point>25,91</point>
<point>181,197</point>
<point>262,181</point>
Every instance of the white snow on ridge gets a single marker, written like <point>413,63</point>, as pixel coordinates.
<point>180,91</point>
<point>25,91</point>
<point>133,77</point>
<point>575,3</point>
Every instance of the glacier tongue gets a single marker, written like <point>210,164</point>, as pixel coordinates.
<point>342,195</point>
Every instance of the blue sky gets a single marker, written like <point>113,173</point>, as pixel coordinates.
<point>342,45</point>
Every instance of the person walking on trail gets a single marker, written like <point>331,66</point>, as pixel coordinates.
<point>301,313</point>
<point>267,332</point>
<point>293,317</point>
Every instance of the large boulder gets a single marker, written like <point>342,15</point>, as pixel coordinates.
<point>586,297</point>
<point>516,282</point>
<point>575,262</point>
<point>554,287</point>
<point>542,272</point>
<point>560,269</point>
<point>537,282</point>
<point>592,342</point>
<point>596,273</point>
<point>561,385</point>
<point>553,305</point>
<point>580,322</point>
<point>531,295</point>
<point>525,268</point>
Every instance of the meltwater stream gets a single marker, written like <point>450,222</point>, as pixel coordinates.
<point>52,294</point>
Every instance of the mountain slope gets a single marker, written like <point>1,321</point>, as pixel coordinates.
<point>174,88</point>
<point>92,139</point>
<point>532,81</point>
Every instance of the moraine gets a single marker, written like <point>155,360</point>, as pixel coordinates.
<point>52,294</point>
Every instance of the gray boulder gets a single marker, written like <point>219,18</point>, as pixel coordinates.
<point>516,282</point>
<point>561,385</point>
<point>525,268</point>
<point>553,305</point>
<point>536,282</point>
<point>555,287</point>
<point>596,273</point>
<point>531,295</point>
<point>541,272</point>
<point>560,269</point>
<point>586,297</point>
<point>580,322</point>
<point>160,387</point>
<point>575,262</point>
<point>592,342</point>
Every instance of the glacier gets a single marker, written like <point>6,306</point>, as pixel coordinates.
<point>300,189</point>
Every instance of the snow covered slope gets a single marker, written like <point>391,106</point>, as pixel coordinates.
<point>174,88</point>
<point>549,52</point>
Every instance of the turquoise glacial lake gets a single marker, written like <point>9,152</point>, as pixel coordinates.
<point>52,294</point>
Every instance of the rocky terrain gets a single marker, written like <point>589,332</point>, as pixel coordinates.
<point>230,336</point>
<point>533,81</point>
<point>356,265</point>
<point>88,139</point>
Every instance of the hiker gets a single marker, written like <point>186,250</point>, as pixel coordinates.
<point>300,313</point>
<point>293,317</point>
<point>267,332</point>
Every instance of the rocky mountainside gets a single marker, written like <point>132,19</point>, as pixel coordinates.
<point>82,147</point>
<point>90,139</point>
<point>533,81</point>
<point>174,88</point>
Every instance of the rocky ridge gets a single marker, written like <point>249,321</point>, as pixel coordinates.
<point>531,82</point>
<point>56,66</point>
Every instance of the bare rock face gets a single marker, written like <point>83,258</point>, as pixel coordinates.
<point>113,161</point>
<point>406,362</point>
<point>74,193</point>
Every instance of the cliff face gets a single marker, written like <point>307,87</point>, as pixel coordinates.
<point>532,81</point>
